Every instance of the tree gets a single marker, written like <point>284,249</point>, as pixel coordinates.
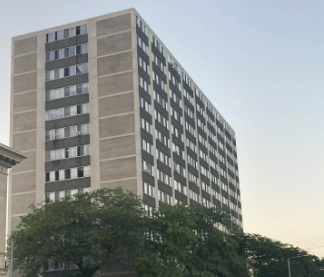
<point>88,231</point>
<point>185,242</point>
<point>268,258</point>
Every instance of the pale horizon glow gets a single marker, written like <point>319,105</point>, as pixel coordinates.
<point>261,63</point>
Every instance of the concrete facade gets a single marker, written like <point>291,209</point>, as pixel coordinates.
<point>115,137</point>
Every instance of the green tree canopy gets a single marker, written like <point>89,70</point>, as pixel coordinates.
<point>185,242</point>
<point>109,228</point>
<point>268,258</point>
<point>90,230</point>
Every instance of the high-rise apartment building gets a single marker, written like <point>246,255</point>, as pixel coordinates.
<point>102,103</point>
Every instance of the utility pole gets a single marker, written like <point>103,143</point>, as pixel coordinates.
<point>294,258</point>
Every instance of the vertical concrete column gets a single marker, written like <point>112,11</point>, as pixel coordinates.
<point>8,158</point>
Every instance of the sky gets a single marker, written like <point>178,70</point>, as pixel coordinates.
<point>261,64</point>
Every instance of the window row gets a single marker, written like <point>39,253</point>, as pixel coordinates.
<point>141,25</point>
<point>157,44</point>
<point>142,45</point>
<point>67,91</point>
<point>54,265</point>
<point>162,157</point>
<point>162,138</point>
<point>158,98</point>
<point>145,125</point>
<point>148,189</point>
<point>67,111</point>
<point>186,79</point>
<point>177,116</point>
<point>158,63</point>
<point>159,81</point>
<point>188,96</point>
<point>143,84</point>
<point>174,81</point>
<point>180,187</point>
<point>143,65</point>
<point>163,177</point>
<point>67,52</point>
<point>66,33</point>
<point>189,112</point>
<point>164,197</point>
<point>146,146</point>
<point>67,153</point>
<point>192,161</point>
<point>175,98</point>
<point>67,71</point>
<point>161,119</point>
<point>67,174</point>
<point>67,132</point>
<point>57,195</point>
<point>145,105</point>
<point>177,133</point>
<point>173,63</point>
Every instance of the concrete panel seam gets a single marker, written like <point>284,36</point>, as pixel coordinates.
<point>23,92</point>
<point>115,53</point>
<point>119,72</point>
<point>25,192</point>
<point>110,95</point>
<point>124,179</point>
<point>125,31</point>
<point>104,117</point>
<point>22,172</point>
<point>20,132</point>
<point>118,158</point>
<point>24,73</point>
<point>29,150</point>
<point>25,111</point>
<point>25,54</point>
<point>124,135</point>
<point>16,215</point>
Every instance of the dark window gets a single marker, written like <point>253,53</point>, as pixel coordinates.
<point>67,91</point>
<point>78,49</point>
<point>66,72</point>
<point>47,176</point>
<point>67,174</point>
<point>67,193</point>
<point>66,52</point>
<point>79,69</point>
<point>57,175</point>
<point>79,110</point>
<point>67,132</point>
<point>80,191</point>
<point>77,30</point>
<point>72,51</point>
<point>84,88</point>
<point>66,33</point>
<point>66,153</point>
<point>56,55</point>
<point>67,111</point>
<point>80,172</point>
<point>47,197</point>
<point>80,151</point>
<point>79,89</point>
<point>57,196</point>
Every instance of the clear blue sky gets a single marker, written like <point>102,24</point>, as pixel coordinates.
<point>261,63</point>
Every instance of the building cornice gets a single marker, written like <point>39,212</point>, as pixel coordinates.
<point>9,156</point>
